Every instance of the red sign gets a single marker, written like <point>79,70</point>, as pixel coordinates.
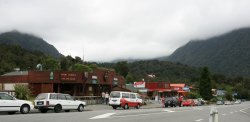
<point>139,84</point>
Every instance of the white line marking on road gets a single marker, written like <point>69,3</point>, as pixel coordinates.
<point>168,111</point>
<point>102,116</point>
<point>198,108</point>
<point>242,110</point>
<point>224,114</point>
<point>198,120</point>
<point>231,112</point>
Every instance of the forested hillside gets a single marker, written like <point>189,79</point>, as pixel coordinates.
<point>227,54</point>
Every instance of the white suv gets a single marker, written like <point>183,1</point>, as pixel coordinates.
<point>12,105</point>
<point>57,102</point>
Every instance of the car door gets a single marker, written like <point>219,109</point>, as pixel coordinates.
<point>8,103</point>
<point>63,101</point>
<point>132,99</point>
<point>71,103</point>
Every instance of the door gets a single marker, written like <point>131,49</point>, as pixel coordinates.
<point>132,100</point>
<point>71,103</point>
<point>8,103</point>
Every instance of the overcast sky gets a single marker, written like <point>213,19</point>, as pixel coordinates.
<point>115,29</point>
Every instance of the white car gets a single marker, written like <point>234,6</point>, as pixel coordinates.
<point>57,102</point>
<point>12,105</point>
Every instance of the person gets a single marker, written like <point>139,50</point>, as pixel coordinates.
<point>163,101</point>
<point>180,100</point>
<point>107,97</point>
<point>103,97</point>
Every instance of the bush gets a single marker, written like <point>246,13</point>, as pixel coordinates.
<point>22,92</point>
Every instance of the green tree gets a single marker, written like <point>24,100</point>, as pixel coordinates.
<point>22,91</point>
<point>122,68</point>
<point>205,84</point>
<point>81,68</point>
<point>130,78</point>
<point>51,64</point>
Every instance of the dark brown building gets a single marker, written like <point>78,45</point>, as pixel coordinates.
<point>72,82</point>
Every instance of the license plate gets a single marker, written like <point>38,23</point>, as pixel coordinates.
<point>40,103</point>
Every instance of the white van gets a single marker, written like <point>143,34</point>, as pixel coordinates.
<point>124,100</point>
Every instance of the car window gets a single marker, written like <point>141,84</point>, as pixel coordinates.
<point>115,94</point>
<point>53,96</point>
<point>5,97</point>
<point>61,97</point>
<point>138,96</point>
<point>125,95</point>
<point>41,96</point>
<point>132,96</point>
<point>68,97</point>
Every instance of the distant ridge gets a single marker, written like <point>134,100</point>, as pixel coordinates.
<point>227,54</point>
<point>29,42</point>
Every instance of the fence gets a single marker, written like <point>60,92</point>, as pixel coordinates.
<point>90,100</point>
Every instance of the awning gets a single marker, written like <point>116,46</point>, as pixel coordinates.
<point>160,90</point>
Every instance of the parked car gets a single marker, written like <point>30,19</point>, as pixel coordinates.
<point>188,102</point>
<point>220,102</point>
<point>124,100</point>
<point>171,101</point>
<point>197,102</point>
<point>228,103</point>
<point>237,102</point>
<point>57,102</point>
<point>12,105</point>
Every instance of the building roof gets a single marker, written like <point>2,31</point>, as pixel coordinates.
<point>177,85</point>
<point>16,73</point>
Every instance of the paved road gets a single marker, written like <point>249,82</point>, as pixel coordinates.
<point>227,113</point>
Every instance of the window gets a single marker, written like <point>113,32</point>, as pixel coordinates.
<point>132,96</point>
<point>41,96</point>
<point>115,95</point>
<point>61,97</point>
<point>53,96</point>
<point>138,96</point>
<point>6,97</point>
<point>125,95</point>
<point>68,97</point>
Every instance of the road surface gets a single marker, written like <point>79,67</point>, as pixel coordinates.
<point>227,113</point>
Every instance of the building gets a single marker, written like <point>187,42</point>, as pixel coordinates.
<point>72,82</point>
<point>160,89</point>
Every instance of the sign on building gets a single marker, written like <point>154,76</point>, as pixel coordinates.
<point>139,84</point>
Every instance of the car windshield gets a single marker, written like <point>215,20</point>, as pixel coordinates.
<point>41,96</point>
<point>115,95</point>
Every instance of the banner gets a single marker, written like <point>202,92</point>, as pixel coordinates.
<point>139,84</point>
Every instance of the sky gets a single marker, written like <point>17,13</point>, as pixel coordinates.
<point>105,30</point>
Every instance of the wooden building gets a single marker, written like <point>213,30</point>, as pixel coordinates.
<point>72,82</point>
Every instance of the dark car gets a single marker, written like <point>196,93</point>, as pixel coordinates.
<point>171,101</point>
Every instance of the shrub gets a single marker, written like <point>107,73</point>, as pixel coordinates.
<point>22,91</point>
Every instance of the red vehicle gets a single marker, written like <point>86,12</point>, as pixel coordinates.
<point>188,102</point>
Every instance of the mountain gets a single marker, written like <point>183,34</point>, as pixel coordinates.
<point>227,54</point>
<point>29,42</point>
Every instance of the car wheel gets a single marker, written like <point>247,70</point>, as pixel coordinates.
<point>43,110</point>
<point>126,106</point>
<point>138,106</point>
<point>13,112</point>
<point>67,110</point>
<point>25,109</point>
<point>80,108</point>
<point>58,108</point>
<point>114,107</point>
